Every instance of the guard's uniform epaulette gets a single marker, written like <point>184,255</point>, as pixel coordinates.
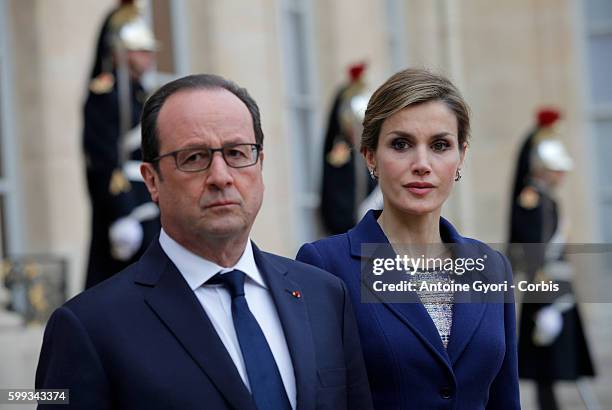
<point>102,84</point>
<point>529,198</point>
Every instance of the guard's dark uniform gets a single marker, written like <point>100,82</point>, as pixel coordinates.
<point>101,139</point>
<point>339,202</point>
<point>536,220</point>
<point>537,249</point>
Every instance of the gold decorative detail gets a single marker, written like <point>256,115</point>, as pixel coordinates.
<point>36,294</point>
<point>529,198</point>
<point>6,268</point>
<point>540,276</point>
<point>102,84</point>
<point>31,270</point>
<point>119,183</point>
<point>339,155</point>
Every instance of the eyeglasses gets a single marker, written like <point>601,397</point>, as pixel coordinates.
<point>200,158</point>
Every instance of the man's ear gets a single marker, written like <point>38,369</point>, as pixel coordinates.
<point>151,178</point>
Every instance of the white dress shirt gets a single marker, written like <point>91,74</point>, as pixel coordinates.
<point>216,301</point>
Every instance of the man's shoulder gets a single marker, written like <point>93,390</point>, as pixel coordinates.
<point>107,295</point>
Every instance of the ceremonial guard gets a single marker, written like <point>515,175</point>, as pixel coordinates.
<point>345,177</point>
<point>552,345</point>
<point>124,220</point>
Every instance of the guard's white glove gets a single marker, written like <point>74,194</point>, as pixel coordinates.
<point>548,325</point>
<point>125,236</point>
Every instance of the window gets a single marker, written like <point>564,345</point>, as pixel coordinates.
<point>169,21</point>
<point>396,34</point>
<point>300,97</point>
<point>598,14</point>
<point>10,226</point>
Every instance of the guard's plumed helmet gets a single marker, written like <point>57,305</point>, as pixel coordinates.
<point>354,101</point>
<point>130,31</point>
<point>551,154</point>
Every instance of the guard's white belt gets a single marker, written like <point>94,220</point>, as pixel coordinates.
<point>145,212</point>
<point>132,171</point>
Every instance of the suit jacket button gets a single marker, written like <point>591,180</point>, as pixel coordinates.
<point>446,392</point>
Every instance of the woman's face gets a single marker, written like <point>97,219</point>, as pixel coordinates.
<point>417,158</point>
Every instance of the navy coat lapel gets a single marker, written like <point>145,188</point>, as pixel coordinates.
<point>466,318</point>
<point>469,308</point>
<point>177,306</point>
<point>296,326</point>
<point>467,314</point>
<point>413,315</point>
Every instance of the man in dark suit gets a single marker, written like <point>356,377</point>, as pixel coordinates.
<point>205,320</point>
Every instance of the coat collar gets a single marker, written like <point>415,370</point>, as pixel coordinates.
<point>466,315</point>
<point>296,325</point>
<point>177,306</point>
<point>369,231</point>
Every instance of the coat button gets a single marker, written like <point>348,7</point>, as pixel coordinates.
<point>446,392</point>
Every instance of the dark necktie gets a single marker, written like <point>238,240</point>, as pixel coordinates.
<point>266,384</point>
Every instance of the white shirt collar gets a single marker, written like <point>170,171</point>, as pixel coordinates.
<point>197,270</point>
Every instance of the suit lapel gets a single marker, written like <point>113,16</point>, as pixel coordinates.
<point>466,318</point>
<point>296,326</point>
<point>413,315</point>
<point>178,308</point>
<point>469,307</point>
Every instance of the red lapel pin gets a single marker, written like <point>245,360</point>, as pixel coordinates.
<point>296,294</point>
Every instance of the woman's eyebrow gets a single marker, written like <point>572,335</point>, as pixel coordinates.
<point>401,134</point>
<point>408,135</point>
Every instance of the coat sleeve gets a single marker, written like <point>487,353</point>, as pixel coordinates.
<point>504,391</point>
<point>68,360</point>
<point>358,387</point>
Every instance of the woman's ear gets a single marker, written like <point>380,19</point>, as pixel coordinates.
<point>462,153</point>
<point>370,158</point>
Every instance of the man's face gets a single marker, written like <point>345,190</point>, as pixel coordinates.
<point>553,178</point>
<point>139,61</point>
<point>219,202</point>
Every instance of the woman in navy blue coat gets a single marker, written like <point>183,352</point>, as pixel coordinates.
<point>437,353</point>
